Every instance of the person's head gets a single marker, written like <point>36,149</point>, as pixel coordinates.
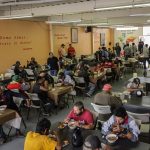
<point>107,88</point>
<point>51,55</point>
<point>146,45</point>
<point>16,78</point>
<point>117,44</point>
<point>42,74</point>
<point>78,108</point>
<point>32,59</point>
<point>92,142</point>
<point>61,75</point>
<point>70,45</point>
<point>18,63</point>
<point>40,80</point>
<point>136,81</point>
<point>133,44</point>
<point>120,115</point>
<point>62,45</point>
<point>43,126</point>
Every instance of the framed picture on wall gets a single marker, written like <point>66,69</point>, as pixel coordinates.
<point>74,35</point>
<point>102,39</point>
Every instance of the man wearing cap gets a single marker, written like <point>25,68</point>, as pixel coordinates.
<point>62,51</point>
<point>106,98</point>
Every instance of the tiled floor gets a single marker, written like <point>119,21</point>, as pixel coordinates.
<point>16,143</point>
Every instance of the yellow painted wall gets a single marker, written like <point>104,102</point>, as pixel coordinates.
<point>62,34</point>
<point>109,37</point>
<point>21,40</point>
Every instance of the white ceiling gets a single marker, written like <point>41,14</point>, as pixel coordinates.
<point>68,10</point>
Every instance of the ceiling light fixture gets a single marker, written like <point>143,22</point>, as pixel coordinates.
<point>114,7</point>
<point>92,24</point>
<point>127,28</point>
<point>123,6</point>
<point>15,17</point>
<point>63,22</point>
<point>139,15</point>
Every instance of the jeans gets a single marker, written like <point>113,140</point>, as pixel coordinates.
<point>91,87</point>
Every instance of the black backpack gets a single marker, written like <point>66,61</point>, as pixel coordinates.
<point>77,138</point>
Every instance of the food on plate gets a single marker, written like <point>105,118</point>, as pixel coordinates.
<point>111,138</point>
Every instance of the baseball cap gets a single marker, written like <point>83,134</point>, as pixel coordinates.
<point>91,142</point>
<point>107,87</point>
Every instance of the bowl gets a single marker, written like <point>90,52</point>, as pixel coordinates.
<point>71,125</point>
<point>3,107</point>
<point>111,138</point>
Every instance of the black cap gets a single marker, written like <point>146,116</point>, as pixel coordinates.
<point>92,142</point>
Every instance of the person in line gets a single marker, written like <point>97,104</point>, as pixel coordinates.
<point>122,125</point>
<point>62,51</point>
<point>52,62</point>
<point>32,64</point>
<point>39,139</point>
<point>71,51</point>
<point>82,117</point>
<point>117,49</point>
<point>105,98</point>
<point>17,68</point>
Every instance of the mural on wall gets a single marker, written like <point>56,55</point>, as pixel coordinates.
<point>102,39</point>
<point>127,36</point>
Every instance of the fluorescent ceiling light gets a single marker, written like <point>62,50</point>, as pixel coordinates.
<point>142,5</point>
<point>114,7</point>
<point>63,22</point>
<point>139,15</point>
<point>123,6</point>
<point>15,17</point>
<point>127,28</point>
<point>92,24</point>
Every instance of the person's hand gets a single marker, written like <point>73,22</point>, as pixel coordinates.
<point>66,120</point>
<point>117,129</point>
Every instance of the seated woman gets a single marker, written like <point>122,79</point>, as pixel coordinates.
<point>134,86</point>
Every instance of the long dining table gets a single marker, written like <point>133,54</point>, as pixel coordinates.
<point>6,115</point>
<point>57,91</point>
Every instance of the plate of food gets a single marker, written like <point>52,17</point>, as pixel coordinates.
<point>111,138</point>
<point>71,125</point>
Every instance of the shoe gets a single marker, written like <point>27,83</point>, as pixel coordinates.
<point>88,95</point>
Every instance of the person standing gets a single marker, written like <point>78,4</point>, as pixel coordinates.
<point>127,50</point>
<point>62,51</point>
<point>117,49</point>
<point>133,49</point>
<point>52,62</point>
<point>71,51</point>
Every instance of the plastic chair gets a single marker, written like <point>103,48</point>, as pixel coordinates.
<point>104,113</point>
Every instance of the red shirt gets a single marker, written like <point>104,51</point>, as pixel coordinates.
<point>71,51</point>
<point>86,117</point>
<point>14,85</point>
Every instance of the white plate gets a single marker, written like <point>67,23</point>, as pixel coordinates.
<point>111,136</point>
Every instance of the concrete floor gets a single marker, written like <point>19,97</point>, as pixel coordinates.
<point>16,143</point>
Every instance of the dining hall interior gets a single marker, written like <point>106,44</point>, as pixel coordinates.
<point>74,74</point>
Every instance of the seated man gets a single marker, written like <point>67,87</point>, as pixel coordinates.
<point>106,98</point>
<point>82,117</point>
<point>122,125</point>
<point>39,140</point>
<point>134,86</point>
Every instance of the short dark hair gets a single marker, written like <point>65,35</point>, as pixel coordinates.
<point>42,125</point>
<point>120,112</point>
<point>79,104</point>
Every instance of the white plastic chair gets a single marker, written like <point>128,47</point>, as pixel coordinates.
<point>101,109</point>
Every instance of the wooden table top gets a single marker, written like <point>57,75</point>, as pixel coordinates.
<point>7,115</point>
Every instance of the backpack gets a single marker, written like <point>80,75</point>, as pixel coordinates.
<point>77,138</point>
